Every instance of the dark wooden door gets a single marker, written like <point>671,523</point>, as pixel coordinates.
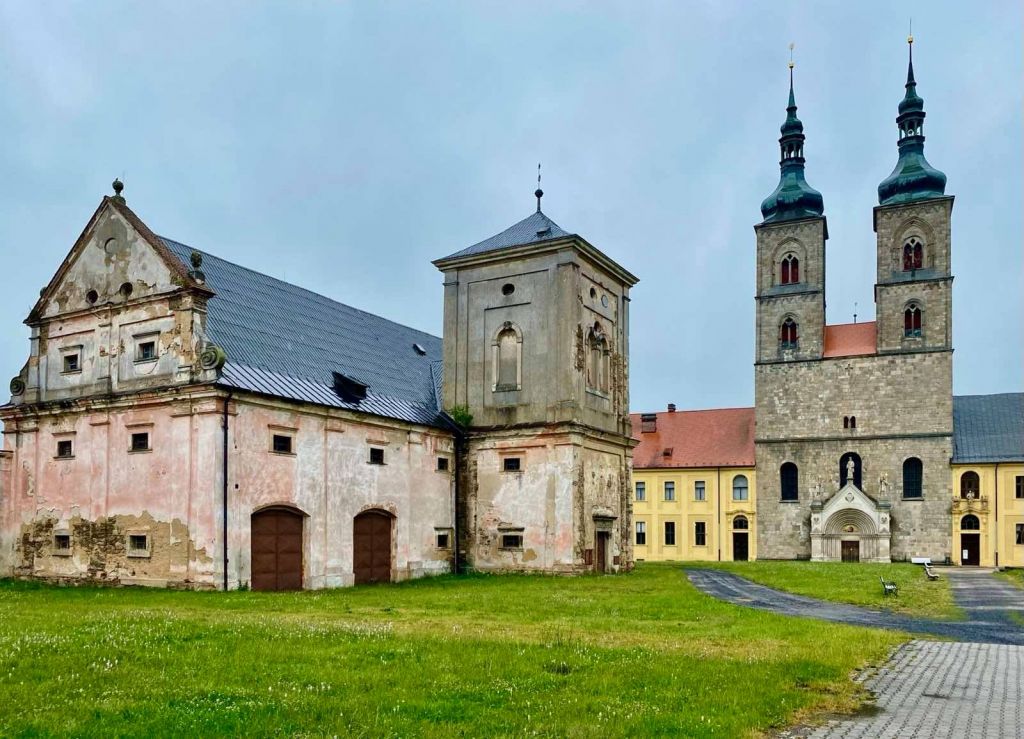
<point>602,551</point>
<point>371,554</point>
<point>740,551</point>
<point>971,546</point>
<point>851,551</point>
<point>277,550</point>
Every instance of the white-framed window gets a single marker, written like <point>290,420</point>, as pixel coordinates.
<point>670,490</point>
<point>740,488</point>
<point>641,491</point>
<point>146,347</point>
<point>699,492</point>
<point>641,533</point>
<point>700,534</point>
<point>670,533</point>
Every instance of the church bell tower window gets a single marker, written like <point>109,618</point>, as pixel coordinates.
<point>912,321</point>
<point>790,270</point>
<point>788,334</point>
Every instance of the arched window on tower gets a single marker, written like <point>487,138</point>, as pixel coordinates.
<point>970,485</point>
<point>788,337</point>
<point>789,479</point>
<point>507,359</point>
<point>845,469</point>
<point>913,255</point>
<point>912,320</point>
<point>912,477</point>
<point>789,272</point>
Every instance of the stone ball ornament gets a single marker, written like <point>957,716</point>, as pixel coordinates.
<point>212,357</point>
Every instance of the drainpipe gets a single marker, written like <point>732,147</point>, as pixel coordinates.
<point>459,456</point>
<point>224,491</point>
<point>718,534</point>
<point>996,526</point>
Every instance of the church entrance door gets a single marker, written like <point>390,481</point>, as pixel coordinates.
<point>371,547</point>
<point>740,551</point>
<point>970,545</point>
<point>851,551</point>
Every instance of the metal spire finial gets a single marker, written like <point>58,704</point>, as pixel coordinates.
<point>538,193</point>
<point>910,33</point>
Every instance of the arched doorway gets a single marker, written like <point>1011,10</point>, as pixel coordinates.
<point>740,539</point>
<point>371,547</point>
<point>970,540</point>
<point>276,541</point>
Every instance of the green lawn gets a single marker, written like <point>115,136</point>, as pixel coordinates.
<point>1015,576</point>
<point>854,583</point>
<point>639,654</point>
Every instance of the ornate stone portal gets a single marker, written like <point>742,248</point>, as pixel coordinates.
<point>851,526</point>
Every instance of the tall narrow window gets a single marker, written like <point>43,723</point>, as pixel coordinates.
<point>912,477</point>
<point>970,485</point>
<point>740,489</point>
<point>670,533</point>
<point>641,491</point>
<point>912,320</point>
<point>508,360</point>
<point>670,491</point>
<point>846,468</point>
<point>789,480</point>
<point>913,255</point>
<point>1020,533</point>
<point>788,334</point>
<point>698,490</point>
<point>1019,487</point>
<point>641,533</point>
<point>790,271</point>
<point>700,534</point>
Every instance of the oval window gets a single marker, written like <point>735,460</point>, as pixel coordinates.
<point>508,288</point>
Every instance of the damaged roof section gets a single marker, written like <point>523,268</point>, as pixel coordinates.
<point>288,342</point>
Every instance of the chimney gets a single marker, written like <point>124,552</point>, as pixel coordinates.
<point>648,423</point>
<point>671,407</point>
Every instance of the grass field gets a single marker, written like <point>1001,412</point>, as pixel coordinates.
<point>1015,576</point>
<point>854,583</point>
<point>638,654</point>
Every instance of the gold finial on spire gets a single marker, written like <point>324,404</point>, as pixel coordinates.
<point>910,32</point>
<point>791,47</point>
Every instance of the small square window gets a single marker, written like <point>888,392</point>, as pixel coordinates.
<point>65,449</point>
<point>146,350</point>
<point>443,540</point>
<point>71,363</point>
<point>138,545</point>
<point>140,441</point>
<point>511,541</point>
<point>62,542</point>
<point>511,464</point>
<point>282,444</point>
<point>376,455</point>
<point>442,464</point>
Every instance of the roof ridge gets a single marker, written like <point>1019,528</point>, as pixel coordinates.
<point>292,284</point>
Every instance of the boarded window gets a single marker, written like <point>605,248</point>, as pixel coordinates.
<point>700,534</point>
<point>508,360</point>
<point>140,441</point>
<point>789,480</point>
<point>282,444</point>
<point>670,533</point>
<point>913,472</point>
<point>641,533</point>
<point>740,488</point>
<point>65,449</point>
<point>376,455</point>
<point>970,485</point>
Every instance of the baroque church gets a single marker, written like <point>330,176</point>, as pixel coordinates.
<point>183,421</point>
<point>860,449</point>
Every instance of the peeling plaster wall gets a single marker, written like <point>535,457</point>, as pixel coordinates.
<point>328,478</point>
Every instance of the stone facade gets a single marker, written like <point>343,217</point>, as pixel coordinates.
<point>555,399</point>
<point>899,391</point>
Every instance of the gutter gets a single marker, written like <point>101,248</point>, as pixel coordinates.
<point>460,452</point>
<point>996,526</point>
<point>224,490</point>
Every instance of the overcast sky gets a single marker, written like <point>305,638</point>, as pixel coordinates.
<point>342,146</point>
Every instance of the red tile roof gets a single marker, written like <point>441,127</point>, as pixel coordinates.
<point>850,339</point>
<point>721,437</point>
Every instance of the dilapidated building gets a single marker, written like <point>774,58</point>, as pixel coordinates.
<point>184,421</point>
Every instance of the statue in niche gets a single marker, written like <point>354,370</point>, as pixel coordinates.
<point>849,470</point>
<point>883,485</point>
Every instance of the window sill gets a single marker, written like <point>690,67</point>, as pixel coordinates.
<point>280,454</point>
<point>60,553</point>
<point>151,360</point>
<point>783,500</point>
<point>63,457</point>
<point>71,372</point>
<point>917,497</point>
<point>140,451</point>
<point>139,554</point>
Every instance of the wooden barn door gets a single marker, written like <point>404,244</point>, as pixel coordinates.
<point>277,549</point>
<point>371,553</point>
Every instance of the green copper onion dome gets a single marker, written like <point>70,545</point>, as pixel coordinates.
<point>793,198</point>
<point>913,178</point>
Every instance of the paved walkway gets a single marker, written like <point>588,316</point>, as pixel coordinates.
<point>937,689</point>
<point>985,598</point>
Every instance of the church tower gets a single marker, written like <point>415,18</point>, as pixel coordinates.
<point>791,256</point>
<point>536,369</point>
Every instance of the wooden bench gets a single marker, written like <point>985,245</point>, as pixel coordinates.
<point>930,573</point>
<point>888,588</point>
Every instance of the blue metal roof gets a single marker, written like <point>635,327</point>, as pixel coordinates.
<point>531,230</point>
<point>286,341</point>
<point>988,428</point>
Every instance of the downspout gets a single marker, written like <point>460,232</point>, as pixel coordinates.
<point>224,491</point>
<point>459,456</point>
<point>718,487</point>
<point>996,526</point>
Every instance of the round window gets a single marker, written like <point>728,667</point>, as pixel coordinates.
<point>126,289</point>
<point>91,297</point>
<point>593,293</point>
<point>508,288</point>
<point>604,300</point>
